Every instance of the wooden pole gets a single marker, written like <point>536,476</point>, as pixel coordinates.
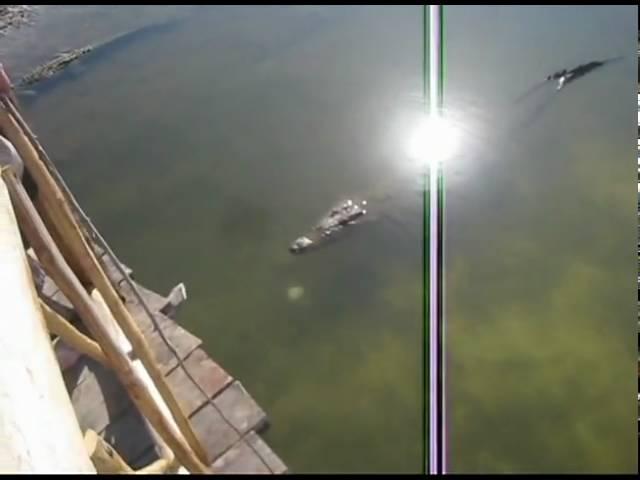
<point>86,265</point>
<point>138,367</point>
<point>72,336</point>
<point>39,431</point>
<point>55,220</point>
<point>61,327</point>
<point>56,267</point>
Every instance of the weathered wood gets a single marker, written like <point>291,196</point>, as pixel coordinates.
<point>271,460</point>
<point>100,399</point>
<point>49,196</point>
<point>111,271</point>
<point>154,301</point>
<point>129,435</point>
<point>183,342</point>
<point>61,327</point>
<point>149,456</point>
<point>240,459</point>
<point>209,376</point>
<point>177,296</point>
<point>240,409</point>
<point>35,412</point>
<point>103,456</point>
<point>171,464</point>
<point>60,211</point>
<point>214,431</point>
<point>49,291</point>
<point>55,265</point>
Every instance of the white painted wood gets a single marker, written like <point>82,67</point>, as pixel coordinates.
<point>39,431</point>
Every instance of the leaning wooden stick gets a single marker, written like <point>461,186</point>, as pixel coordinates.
<point>71,335</point>
<point>59,218</point>
<point>59,271</point>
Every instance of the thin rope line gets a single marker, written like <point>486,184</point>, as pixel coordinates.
<point>93,232</point>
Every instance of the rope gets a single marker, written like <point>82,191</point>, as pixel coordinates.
<point>91,230</point>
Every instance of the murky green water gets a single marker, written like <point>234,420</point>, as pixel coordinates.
<point>203,150</point>
<point>541,230</point>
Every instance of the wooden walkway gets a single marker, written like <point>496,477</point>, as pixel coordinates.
<point>227,423</point>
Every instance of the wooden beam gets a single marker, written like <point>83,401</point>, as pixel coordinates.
<point>56,267</point>
<point>57,221</point>
<point>72,336</point>
<point>84,262</point>
<point>39,431</point>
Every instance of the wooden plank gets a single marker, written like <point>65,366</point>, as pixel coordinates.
<point>111,270</point>
<point>56,299</point>
<point>129,435</point>
<point>154,301</point>
<point>208,374</point>
<point>165,304</point>
<point>181,340</point>
<point>61,304</point>
<point>214,432</point>
<point>78,373</point>
<point>149,456</point>
<point>273,462</point>
<point>99,398</point>
<point>240,459</point>
<point>142,319</point>
<point>49,287</point>
<point>240,409</point>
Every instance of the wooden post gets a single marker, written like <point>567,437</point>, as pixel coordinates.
<point>56,267</point>
<point>84,263</point>
<point>39,431</point>
<point>75,339</point>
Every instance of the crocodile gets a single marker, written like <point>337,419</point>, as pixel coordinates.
<point>64,59</point>
<point>342,215</point>
<point>565,76</point>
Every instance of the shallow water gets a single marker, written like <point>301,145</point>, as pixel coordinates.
<point>201,152</point>
<point>541,228</point>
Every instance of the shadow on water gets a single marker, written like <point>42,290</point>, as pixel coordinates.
<point>101,53</point>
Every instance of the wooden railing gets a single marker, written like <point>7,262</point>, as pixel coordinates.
<point>57,241</point>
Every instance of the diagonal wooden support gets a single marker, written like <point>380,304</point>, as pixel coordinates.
<point>59,271</point>
<point>72,336</point>
<point>67,234</point>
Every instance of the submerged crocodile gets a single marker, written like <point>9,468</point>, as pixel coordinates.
<point>59,62</point>
<point>565,76</point>
<point>344,214</point>
<point>64,59</point>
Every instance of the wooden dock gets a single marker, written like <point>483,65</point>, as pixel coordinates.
<point>146,389</point>
<point>227,420</point>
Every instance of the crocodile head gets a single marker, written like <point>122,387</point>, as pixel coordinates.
<point>300,244</point>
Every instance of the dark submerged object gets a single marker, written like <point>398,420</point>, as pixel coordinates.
<point>567,76</point>
<point>67,58</point>
<point>339,217</point>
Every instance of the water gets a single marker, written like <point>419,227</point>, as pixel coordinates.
<point>203,151</point>
<point>541,228</point>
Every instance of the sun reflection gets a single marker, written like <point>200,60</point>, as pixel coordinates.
<point>434,141</point>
